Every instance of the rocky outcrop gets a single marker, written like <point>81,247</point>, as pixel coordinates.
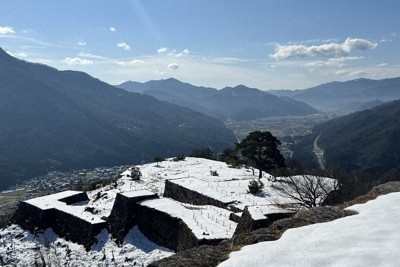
<point>314,215</point>
<point>389,187</point>
<point>247,223</point>
<point>200,256</point>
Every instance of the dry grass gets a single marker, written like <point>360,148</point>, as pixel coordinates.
<point>359,200</point>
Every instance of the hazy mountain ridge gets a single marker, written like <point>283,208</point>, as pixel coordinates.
<point>230,103</point>
<point>348,96</point>
<point>66,119</point>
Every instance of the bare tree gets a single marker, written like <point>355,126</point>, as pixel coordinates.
<point>305,190</point>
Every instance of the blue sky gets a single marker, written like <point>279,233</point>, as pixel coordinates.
<point>268,44</point>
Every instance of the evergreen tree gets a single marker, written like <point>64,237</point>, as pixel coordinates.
<point>261,149</point>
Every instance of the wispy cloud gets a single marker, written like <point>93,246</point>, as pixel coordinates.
<point>352,74</point>
<point>89,55</point>
<point>161,73</point>
<point>112,29</point>
<point>124,46</point>
<point>82,43</point>
<point>328,50</point>
<point>77,61</point>
<point>132,62</point>
<point>331,62</point>
<point>173,52</point>
<point>7,30</point>
<point>162,50</point>
<point>382,65</point>
<point>184,53</point>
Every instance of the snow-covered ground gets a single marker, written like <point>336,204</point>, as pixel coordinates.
<point>229,185</point>
<point>23,249</point>
<point>206,222</point>
<point>370,238</point>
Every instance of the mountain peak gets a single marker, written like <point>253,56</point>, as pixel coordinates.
<point>4,55</point>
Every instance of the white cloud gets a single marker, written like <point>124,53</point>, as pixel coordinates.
<point>6,30</point>
<point>161,73</point>
<point>226,60</point>
<point>382,65</point>
<point>88,55</point>
<point>173,66</point>
<point>132,62</point>
<point>82,43</point>
<point>336,62</point>
<point>124,46</point>
<point>184,53</point>
<point>162,50</point>
<point>329,50</point>
<point>77,61</point>
<point>112,29</point>
<point>347,73</point>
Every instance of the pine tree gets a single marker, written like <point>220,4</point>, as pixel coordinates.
<point>261,150</point>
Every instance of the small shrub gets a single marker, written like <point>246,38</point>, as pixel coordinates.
<point>214,173</point>
<point>158,159</point>
<point>255,186</point>
<point>179,157</point>
<point>135,173</point>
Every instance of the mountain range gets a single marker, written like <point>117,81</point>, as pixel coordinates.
<point>365,142</point>
<point>59,120</point>
<point>230,103</point>
<point>347,96</point>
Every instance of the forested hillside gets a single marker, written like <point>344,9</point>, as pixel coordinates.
<point>54,119</point>
<point>365,142</point>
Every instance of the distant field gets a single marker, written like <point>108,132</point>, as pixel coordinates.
<point>278,126</point>
<point>9,201</point>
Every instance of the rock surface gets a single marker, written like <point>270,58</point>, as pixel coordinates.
<point>389,187</point>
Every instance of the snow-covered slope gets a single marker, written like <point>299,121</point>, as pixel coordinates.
<point>370,238</point>
<point>24,249</point>
<point>21,248</point>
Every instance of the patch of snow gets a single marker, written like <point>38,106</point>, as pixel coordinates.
<point>21,248</point>
<point>206,222</point>
<point>52,202</point>
<point>370,238</point>
<point>259,212</point>
<point>138,193</point>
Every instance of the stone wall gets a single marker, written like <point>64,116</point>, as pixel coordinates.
<point>76,229</point>
<point>165,230</point>
<point>31,217</point>
<point>124,215</point>
<point>63,224</point>
<point>185,195</point>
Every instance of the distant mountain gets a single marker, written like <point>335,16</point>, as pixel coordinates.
<point>365,142</point>
<point>231,103</point>
<point>54,119</point>
<point>347,96</point>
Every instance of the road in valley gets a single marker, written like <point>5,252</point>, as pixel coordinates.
<point>319,152</point>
